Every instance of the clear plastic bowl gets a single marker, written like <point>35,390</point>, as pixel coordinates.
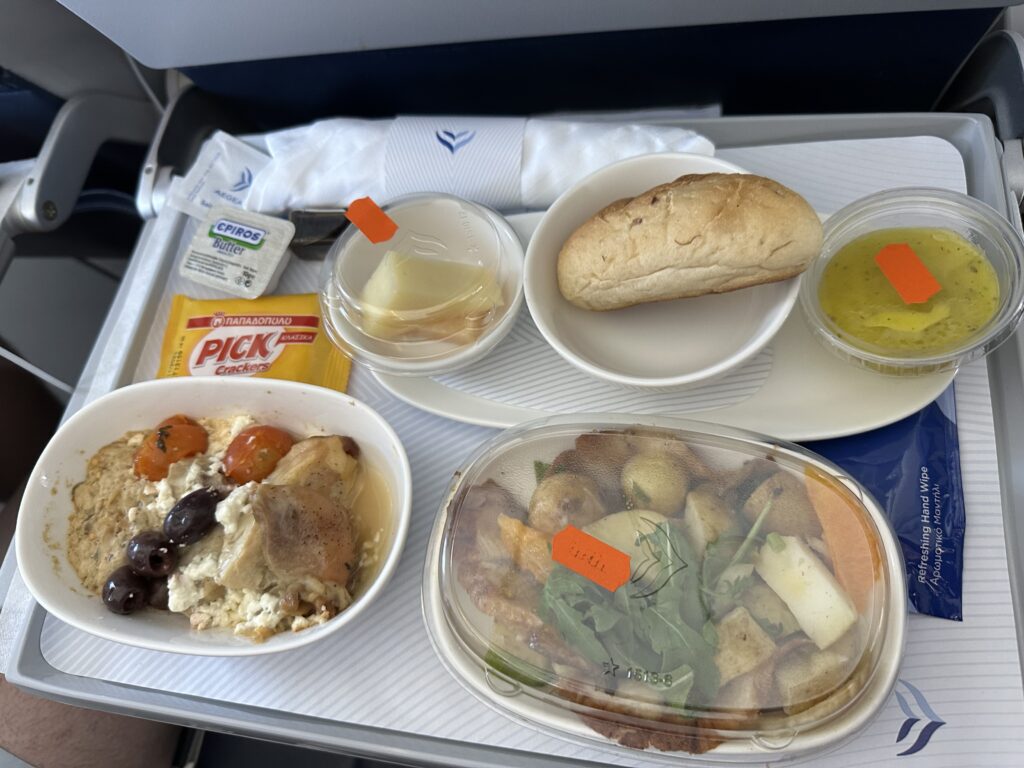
<point>435,297</point>
<point>921,207</point>
<point>667,585</point>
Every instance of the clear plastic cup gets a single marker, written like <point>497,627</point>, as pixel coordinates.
<point>435,297</point>
<point>976,222</point>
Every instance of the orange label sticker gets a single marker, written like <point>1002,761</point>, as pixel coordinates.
<point>371,220</point>
<point>590,557</point>
<point>907,273</point>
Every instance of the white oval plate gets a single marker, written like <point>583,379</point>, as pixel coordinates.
<point>303,409</point>
<point>810,394</point>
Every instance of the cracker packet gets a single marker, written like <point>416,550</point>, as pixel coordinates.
<point>274,337</point>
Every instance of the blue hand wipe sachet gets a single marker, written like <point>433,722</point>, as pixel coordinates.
<point>913,468</point>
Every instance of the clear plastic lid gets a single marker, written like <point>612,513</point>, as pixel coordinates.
<point>668,588</point>
<point>448,277</point>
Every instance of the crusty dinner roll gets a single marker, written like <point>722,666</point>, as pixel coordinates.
<point>699,234</point>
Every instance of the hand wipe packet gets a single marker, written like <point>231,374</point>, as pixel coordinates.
<point>274,337</point>
<point>222,174</point>
<point>913,468</point>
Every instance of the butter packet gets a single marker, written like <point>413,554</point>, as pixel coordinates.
<point>274,337</point>
<point>238,251</point>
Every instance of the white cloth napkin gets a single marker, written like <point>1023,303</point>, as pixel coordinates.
<point>331,162</point>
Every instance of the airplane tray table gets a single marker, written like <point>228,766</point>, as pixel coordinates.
<point>376,688</point>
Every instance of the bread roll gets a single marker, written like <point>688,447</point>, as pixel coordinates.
<point>699,234</point>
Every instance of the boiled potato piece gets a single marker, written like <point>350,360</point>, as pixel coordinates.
<point>742,645</point>
<point>807,587</point>
<point>563,499</point>
<point>655,481</point>
<point>705,517</point>
<point>768,608</point>
<point>807,675</point>
<point>598,466</point>
<point>623,530</point>
<point>654,440</point>
<point>791,512</point>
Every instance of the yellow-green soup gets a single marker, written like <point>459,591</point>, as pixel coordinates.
<point>869,312</point>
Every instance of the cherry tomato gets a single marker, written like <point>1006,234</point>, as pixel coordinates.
<point>254,453</point>
<point>173,439</point>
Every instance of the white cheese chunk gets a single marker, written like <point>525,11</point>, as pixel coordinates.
<point>807,587</point>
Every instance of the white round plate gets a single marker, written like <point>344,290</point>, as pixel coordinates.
<point>663,344</point>
<point>810,393</point>
<point>303,409</point>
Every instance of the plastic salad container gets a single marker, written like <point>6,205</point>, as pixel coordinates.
<point>437,295</point>
<point>973,253</point>
<point>671,586</point>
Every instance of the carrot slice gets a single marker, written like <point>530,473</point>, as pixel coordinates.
<point>852,545</point>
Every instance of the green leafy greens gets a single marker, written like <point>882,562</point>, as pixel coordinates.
<point>655,623</point>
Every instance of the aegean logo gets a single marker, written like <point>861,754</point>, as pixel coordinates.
<point>453,141</point>
<point>918,712</point>
<point>244,181</point>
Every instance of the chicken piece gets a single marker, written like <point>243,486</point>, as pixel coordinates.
<point>653,440</point>
<point>305,533</point>
<point>529,548</point>
<point>502,591</point>
<point>477,532</point>
<point>328,465</point>
<point>565,499</point>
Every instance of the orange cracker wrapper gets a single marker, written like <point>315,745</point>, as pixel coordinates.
<point>274,337</point>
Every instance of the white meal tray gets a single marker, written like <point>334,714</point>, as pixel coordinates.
<point>960,699</point>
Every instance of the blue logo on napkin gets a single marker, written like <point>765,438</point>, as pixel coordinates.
<point>454,140</point>
<point>932,724</point>
<point>244,181</point>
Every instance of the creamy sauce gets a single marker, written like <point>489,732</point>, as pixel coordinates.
<point>372,521</point>
<point>859,299</point>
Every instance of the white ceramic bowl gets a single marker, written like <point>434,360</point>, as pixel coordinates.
<point>305,410</point>
<point>661,345</point>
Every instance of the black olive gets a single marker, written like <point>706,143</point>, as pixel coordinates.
<point>150,553</point>
<point>192,517</point>
<point>158,595</point>
<point>125,591</point>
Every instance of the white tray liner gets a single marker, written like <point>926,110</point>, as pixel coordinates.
<point>382,672</point>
